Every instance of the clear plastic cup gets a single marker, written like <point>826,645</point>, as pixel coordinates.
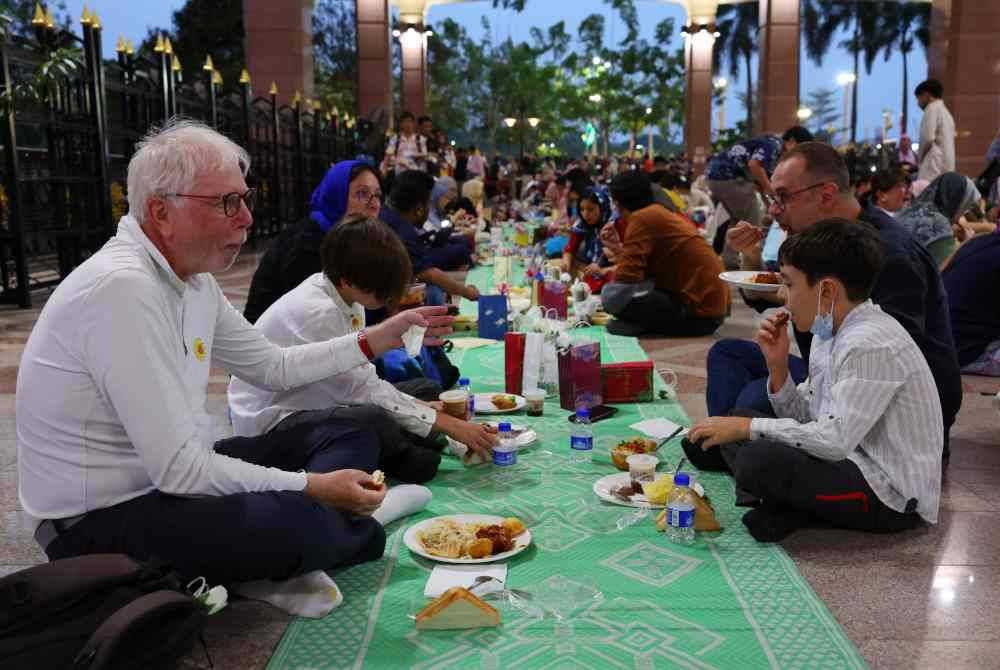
<point>642,467</point>
<point>535,399</point>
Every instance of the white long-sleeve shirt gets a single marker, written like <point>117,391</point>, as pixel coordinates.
<point>870,397</point>
<point>313,312</point>
<point>112,384</point>
<point>937,141</point>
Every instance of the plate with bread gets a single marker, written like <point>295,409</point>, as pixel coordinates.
<point>752,280</point>
<point>468,538</point>
<point>499,403</point>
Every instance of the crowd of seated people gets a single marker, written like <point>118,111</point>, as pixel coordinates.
<point>888,302</point>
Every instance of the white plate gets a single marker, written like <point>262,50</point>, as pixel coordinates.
<point>485,406</point>
<point>604,485</point>
<point>526,438</point>
<point>744,280</point>
<point>521,542</point>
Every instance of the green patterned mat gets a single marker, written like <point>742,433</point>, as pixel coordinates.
<point>725,602</point>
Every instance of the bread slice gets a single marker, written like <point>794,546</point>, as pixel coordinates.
<point>457,608</point>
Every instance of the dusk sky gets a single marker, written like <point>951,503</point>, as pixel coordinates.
<point>879,91</point>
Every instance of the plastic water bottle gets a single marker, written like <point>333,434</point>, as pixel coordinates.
<point>581,438</point>
<point>504,455</point>
<point>680,511</point>
<point>464,385</point>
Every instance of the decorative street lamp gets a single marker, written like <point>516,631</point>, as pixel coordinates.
<point>721,83</point>
<point>847,80</point>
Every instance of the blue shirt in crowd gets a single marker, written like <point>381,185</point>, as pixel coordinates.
<point>732,163</point>
<point>409,234</point>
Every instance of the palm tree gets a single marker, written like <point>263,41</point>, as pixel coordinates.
<point>822,19</point>
<point>737,42</point>
<point>905,24</point>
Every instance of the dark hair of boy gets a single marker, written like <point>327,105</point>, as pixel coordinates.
<point>368,255</point>
<point>799,134</point>
<point>422,120</point>
<point>932,86</point>
<point>822,164</point>
<point>410,189</point>
<point>840,249</point>
<point>632,190</point>
<point>406,115</point>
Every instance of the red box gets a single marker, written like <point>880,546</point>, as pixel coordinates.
<point>513,362</point>
<point>627,382</point>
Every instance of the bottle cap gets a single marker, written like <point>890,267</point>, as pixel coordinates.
<point>463,381</point>
<point>583,413</point>
<point>682,479</point>
<point>505,428</point>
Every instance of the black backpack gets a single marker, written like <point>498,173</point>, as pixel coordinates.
<point>99,611</point>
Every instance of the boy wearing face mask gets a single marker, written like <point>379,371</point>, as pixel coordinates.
<point>858,443</point>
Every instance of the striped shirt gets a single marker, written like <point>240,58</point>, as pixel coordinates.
<point>870,398</point>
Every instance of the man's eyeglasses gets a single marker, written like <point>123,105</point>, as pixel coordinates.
<point>780,199</point>
<point>230,202</point>
<point>366,197</point>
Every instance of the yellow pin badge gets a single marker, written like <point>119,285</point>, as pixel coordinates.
<point>199,349</point>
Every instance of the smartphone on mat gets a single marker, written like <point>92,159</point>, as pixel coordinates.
<point>597,413</point>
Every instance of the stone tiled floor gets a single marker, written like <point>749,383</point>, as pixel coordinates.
<point>925,599</point>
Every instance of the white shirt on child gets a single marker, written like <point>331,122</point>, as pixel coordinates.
<point>313,312</point>
<point>113,381</point>
<point>870,397</point>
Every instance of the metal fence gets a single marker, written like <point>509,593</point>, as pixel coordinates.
<point>66,154</point>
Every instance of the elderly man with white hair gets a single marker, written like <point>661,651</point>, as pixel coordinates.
<point>115,454</point>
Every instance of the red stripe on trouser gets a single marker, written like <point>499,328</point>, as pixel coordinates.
<point>856,495</point>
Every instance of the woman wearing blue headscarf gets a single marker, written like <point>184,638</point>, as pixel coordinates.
<point>585,249</point>
<point>349,187</point>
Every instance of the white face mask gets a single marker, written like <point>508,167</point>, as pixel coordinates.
<point>822,325</point>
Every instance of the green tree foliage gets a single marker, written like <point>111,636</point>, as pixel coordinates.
<point>20,13</point>
<point>202,28</point>
<point>335,56</point>
<point>823,104</point>
<point>903,26</point>
<point>736,45</point>
<point>564,79</point>
<point>823,19</point>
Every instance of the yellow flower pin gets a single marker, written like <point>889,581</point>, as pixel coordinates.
<point>355,323</point>
<point>199,349</point>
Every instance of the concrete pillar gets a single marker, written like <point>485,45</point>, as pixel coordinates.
<point>778,74</point>
<point>279,45</point>
<point>413,46</point>
<point>964,56</point>
<point>374,57</point>
<point>698,98</point>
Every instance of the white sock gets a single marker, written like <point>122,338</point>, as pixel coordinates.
<point>400,501</point>
<point>312,595</point>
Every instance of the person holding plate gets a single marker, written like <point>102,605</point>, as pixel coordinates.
<point>858,443</point>
<point>812,183</point>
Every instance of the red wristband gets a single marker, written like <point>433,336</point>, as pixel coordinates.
<point>364,345</point>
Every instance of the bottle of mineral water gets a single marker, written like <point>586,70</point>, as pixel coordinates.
<point>581,438</point>
<point>465,385</point>
<point>504,455</point>
<point>680,511</point>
